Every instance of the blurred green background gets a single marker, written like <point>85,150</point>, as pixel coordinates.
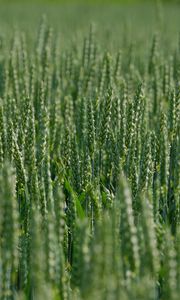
<point>115,20</point>
<point>86,1</point>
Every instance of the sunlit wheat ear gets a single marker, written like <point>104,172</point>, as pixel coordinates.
<point>42,130</point>
<point>106,115</point>
<point>2,131</point>
<point>170,268</point>
<point>25,63</point>
<point>36,284</point>
<point>149,231</point>
<point>91,128</point>
<point>9,230</point>
<point>128,232</point>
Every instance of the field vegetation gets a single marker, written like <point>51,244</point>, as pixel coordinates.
<point>89,152</point>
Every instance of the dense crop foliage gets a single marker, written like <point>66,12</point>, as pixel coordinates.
<point>89,170</point>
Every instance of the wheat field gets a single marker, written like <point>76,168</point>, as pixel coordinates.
<point>89,152</point>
